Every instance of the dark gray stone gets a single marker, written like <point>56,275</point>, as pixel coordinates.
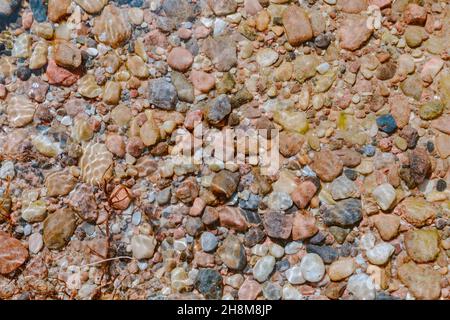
<point>163,94</point>
<point>345,213</point>
<point>327,253</point>
<point>209,283</point>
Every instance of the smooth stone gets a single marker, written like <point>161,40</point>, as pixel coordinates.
<point>380,254</point>
<point>208,241</point>
<point>294,275</point>
<point>343,188</point>
<point>341,269</point>
<point>266,57</point>
<point>361,287</point>
<point>263,268</point>
<point>312,267</point>
<point>143,246</point>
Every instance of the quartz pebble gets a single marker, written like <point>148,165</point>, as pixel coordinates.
<point>312,267</point>
<point>263,268</point>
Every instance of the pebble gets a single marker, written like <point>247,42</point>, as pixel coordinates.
<point>142,246</point>
<point>327,253</point>
<point>380,254</point>
<point>232,253</point>
<point>345,213</point>
<point>297,25</point>
<point>162,94</point>
<point>343,188</point>
<point>312,267</point>
<point>95,96</point>
<point>266,57</point>
<point>385,195</point>
<point>279,201</point>
<point>342,269</point>
<point>387,225</point>
<point>208,241</point>
<point>294,275</point>
<point>278,225</point>
<point>263,268</point>
<point>422,280</point>
<point>327,165</point>
<point>180,59</point>
<point>58,228</point>
<point>386,123</point>
<point>422,245</point>
<point>209,283</point>
<point>361,287</point>
<point>35,243</point>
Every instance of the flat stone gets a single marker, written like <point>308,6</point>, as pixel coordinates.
<point>222,52</point>
<point>12,253</point>
<point>422,245</point>
<point>58,228</point>
<point>417,211</point>
<point>422,280</point>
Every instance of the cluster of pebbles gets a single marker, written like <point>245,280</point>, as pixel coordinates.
<point>93,94</point>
